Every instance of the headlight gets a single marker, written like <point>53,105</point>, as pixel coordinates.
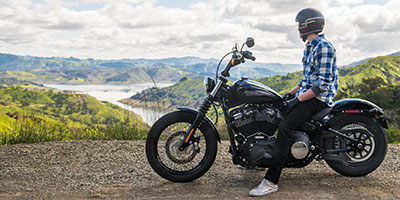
<point>209,83</point>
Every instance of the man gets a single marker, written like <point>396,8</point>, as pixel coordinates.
<point>314,92</point>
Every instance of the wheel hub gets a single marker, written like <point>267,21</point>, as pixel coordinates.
<point>365,145</point>
<point>172,149</point>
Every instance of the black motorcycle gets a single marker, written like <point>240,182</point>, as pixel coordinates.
<point>182,145</point>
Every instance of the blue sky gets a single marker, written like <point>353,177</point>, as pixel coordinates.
<point>113,29</point>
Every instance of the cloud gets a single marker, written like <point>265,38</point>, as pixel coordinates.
<point>348,2</point>
<point>139,28</point>
<point>378,42</point>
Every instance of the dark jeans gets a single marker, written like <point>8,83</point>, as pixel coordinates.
<point>293,120</point>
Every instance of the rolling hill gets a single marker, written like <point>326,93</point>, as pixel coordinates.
<point>39,114</point>
<point>385,67</point>
<point>377,80</point>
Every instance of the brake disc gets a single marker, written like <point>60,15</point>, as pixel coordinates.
<point>173,152</point>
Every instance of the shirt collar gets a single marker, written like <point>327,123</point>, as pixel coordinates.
<point>316,40</point>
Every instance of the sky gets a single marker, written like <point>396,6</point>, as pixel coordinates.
<point>115,29</point>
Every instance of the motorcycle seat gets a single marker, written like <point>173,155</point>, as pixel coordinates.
<point>321,114</point>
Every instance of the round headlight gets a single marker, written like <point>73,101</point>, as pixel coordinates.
<point>209,83</point>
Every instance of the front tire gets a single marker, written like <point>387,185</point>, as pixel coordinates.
<point>180,166</point>
<point>364,161</point>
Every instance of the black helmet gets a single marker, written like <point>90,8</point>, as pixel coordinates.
<point>310,21</point>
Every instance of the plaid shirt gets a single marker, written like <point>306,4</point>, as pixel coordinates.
<point>320,70</point>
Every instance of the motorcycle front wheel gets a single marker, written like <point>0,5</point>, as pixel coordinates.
<point>164,139</point>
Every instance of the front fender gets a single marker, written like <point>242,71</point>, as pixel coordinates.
<point>206,120</point>
<point>358,106</point>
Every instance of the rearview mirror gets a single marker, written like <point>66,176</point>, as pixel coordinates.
<point>249,42</point>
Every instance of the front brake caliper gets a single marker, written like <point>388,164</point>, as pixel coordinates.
<point>196,144</point>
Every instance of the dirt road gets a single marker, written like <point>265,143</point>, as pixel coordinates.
<point>119,170</point>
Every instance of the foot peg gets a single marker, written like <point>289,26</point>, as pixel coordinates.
<point>267,156</point>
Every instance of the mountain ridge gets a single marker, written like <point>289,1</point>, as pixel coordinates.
<point>72,70</point>
<point>377,80</point>
<point>353,64</point>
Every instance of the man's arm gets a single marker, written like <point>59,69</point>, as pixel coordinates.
<point>324,60</point>
<point>294,90</point>
<point>309,94</point>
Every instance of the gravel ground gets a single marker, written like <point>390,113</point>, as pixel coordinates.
<point>119,170</point>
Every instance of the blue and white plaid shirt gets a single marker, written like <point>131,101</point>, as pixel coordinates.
<point>320,70</point>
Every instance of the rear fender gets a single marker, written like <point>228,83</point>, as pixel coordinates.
<point>360,106</point>
<point>207,121</point>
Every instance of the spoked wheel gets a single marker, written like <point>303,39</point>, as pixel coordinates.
<point>363,156</point>
<point>164,140</point>
<point>365,146</point>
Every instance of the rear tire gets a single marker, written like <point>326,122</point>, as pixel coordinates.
<point>175,165</point>
<point>358,164</point>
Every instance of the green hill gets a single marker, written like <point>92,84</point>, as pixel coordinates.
<point>385,67</point>
<point>383,70</point>
<point>186,92</point>
<point>38,115</point>
<point>377,80</point>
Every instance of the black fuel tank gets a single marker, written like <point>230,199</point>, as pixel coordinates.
<point>253,92</point>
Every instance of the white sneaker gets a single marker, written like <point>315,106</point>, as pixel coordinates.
<point>264,188</point>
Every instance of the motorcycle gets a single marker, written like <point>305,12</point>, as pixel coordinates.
<point>182,145</point>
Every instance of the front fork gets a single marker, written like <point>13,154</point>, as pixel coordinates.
<point>205,106</point>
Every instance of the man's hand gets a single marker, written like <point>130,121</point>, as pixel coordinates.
<point>288,96</point>
<point>290,104</point>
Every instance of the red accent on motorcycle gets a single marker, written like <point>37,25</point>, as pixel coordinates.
<point>352,111</point>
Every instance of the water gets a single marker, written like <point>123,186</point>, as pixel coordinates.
<point>113,93</point>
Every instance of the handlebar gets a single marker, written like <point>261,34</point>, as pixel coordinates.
<point>232,62</point>
<point>237,57</point>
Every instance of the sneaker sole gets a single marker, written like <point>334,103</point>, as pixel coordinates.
<point>263,194</point>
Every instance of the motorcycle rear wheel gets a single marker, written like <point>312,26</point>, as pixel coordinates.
<point>366,160</point>
<point>162,152</point>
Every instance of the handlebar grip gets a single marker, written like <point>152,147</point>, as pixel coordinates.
<point>249,55</point>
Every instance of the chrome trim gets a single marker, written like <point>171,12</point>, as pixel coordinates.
<point>216,88</point>
<point>299,150</point>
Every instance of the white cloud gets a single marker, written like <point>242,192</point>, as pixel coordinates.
<point>348,2</point>
<point>138,28</point>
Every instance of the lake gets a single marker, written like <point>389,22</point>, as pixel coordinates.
<point>113,93</point>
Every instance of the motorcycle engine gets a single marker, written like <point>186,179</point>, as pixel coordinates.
<point>254,128</point>
<point>251,121</point>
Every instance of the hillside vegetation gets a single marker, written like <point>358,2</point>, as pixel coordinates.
<point>186,92</point>
<point>377,80</point>
<point>38,115</point>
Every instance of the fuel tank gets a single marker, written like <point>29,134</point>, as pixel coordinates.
<point>252,92</point>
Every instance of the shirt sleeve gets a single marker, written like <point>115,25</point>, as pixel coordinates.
<point>324,60</point>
